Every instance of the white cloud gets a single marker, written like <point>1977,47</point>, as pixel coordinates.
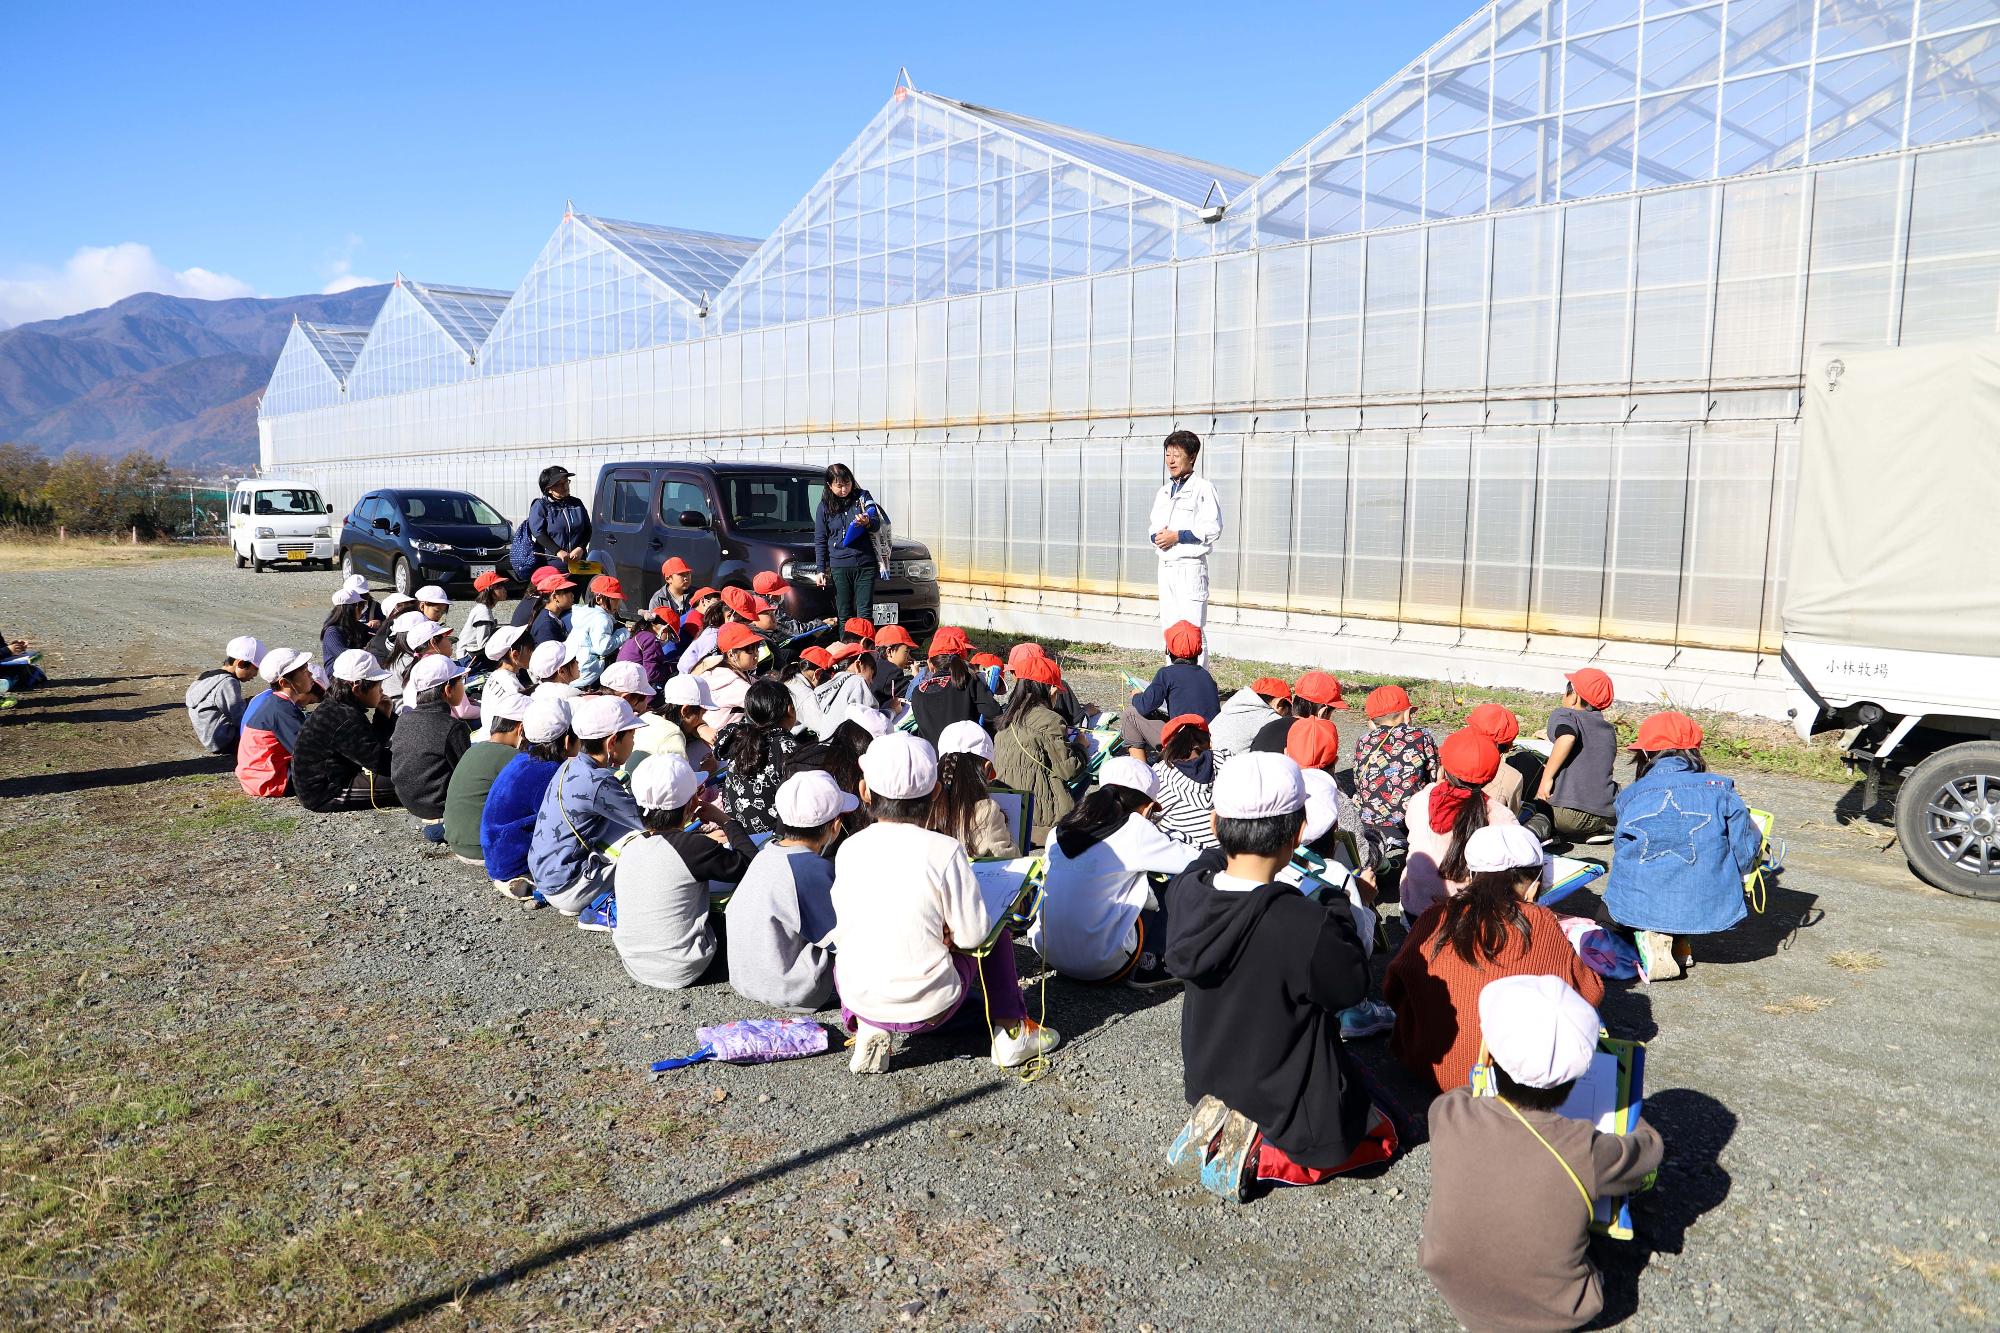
<point>347,282</point>
<point>97,275</point>
<point>339,270</point>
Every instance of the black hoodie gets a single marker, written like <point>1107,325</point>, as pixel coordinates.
<point>1267,973</point>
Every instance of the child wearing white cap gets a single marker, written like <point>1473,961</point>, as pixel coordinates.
<point>472,777</point>
<point>429,741</point>
<point>393,608</point>
<point>507,822</point>
<point>586,809</point>
<point>684,851</point>
<point>341,761</point>
<point>507,652</point>
<point>353,619</point>
<point>1268,971</point>
<point>1101,919</point>
<point>215,700</point>
<point>271,724</point>
<point>901,895</point>
<point>434,602</point>
<point>783,910</point>
<point>685,702</point>
<point>1491,928</point>
<point>963,806</point>
<point>1513,1181</point>
<point>628,681</point>
<point>552,666</point>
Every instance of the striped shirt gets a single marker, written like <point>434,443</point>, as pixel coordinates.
<point>1185,806</point>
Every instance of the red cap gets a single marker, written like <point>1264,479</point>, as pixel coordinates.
<point>1022,652</point>
<point>1668,731</point>
<point>701,595</point>
<point>859,628</point>
<point>676,565</point>
<point>1494,722</point>
<point>1386,699</point>
<point>844,652</point>
<point>1313,742</point>
<point>1317,687</point>
<point>550,579</point>
<point>1038,669</point>
<point>489,579</point>
<point>733,637</point>
<point>986,660</point>
<point>1592,686</point>
<point>1176,724</point>
<point>768,584</point>
<point>606,586</point>
<point>950,640</point>
<point>1270,687</point>
<point>760,607</point>
<point>890,636</point>
<point>1469,755</point>
<point>669,621</point>
<point>818,656</point>
<point>1183,639</point>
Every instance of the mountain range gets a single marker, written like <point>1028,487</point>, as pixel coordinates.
<point>176,377</point>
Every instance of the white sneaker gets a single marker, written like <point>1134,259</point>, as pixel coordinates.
<point>1017,1048</point>
<point>871,1050</point>
<point>518,888</point>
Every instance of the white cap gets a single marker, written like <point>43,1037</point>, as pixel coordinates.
<point>627,678</point>
<point>348,595</point>
<point>357,665</point>
<point>1124,771</point>
<point>664,782</point>
<point>432,672</point>
<point>871,720</point>
<point>1257,786</point>
<point>681,691</point>
<point>320,678</point>
<point>394,602</point>
<point>1502,847</point>
<point>244,648</point>
<point>281,662</point>
<point>900,766</point>
<point>964,737</point>
<point>356,583</point>
<point>596,717</point>
<point>422,633</point>
<point>511,705</point>
<point>547,718</point>
<point>811,799</point>
<point>549,658</point>
<point>1538,1029</point>
<point>501,641</point>
<point>433,594</point>
<point>1322,804</point>
<point>406,621</point>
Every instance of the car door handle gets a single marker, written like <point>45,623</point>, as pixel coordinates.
<point>656,543</point>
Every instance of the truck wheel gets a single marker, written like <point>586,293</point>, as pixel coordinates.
<point>1948,819</point>
<point>256,565</point>
<point>240,561</point>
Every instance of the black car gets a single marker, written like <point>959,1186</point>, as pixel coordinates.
<point>732,522</point>
<point>414,537</point>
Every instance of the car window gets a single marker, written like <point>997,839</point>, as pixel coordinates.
<point>628,501</point>
<point>677,494</point>
<point>772,501</point>
<point>288,502</point>
<point>448,507</point>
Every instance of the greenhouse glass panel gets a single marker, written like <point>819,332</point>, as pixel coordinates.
<point>1955,91</point>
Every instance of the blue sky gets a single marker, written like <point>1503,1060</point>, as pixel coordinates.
<point>220,149</point>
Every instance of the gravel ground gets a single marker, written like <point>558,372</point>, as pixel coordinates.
<point>336,961</point>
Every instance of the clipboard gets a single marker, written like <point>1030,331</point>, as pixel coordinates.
<point>25,659</point>
<point>1563,875</point>
<point>1019,808</point>
<point>1012,888</point>
<point>1102,742</point>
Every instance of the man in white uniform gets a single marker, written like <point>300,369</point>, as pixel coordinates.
<point>1186,523</point>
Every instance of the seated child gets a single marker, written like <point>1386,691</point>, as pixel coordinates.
<point>341,758</point>
<point>1180,687</point>
<point>552,666</point>
<point>1186,771</point>
<point>729,671</point>
<point>1100,919</point>
<point>1315,696</point>
<point>902,896</point>
<point>507,821</point>
<point>429,741</point>
<point>666,871</point>
<point>556,593</point>
<point>963,806</point>
<point>685,702</point>
<point>654,633</point>
<point>480,621</point>
<point>850,688</point>
<point>1499,725</point>
<point>1443,815</point>
<point>507,652</point>
<point>1393,760</point>
<point>951,691</point>
<point>271,723</point>
<point>1035,751</point>
<point>585,810</point>
<point>783,910</point>
<point>595,633</point>
<point>1513,1182</point>
<point>1685,841</point>
<point>1247,712</point>
<point>1492,928</point>
<point>215,700</point>
<point>673,595</point>
<point>895,655</point>
<point>752,751</point>
<point>19,671</point>
<point>477,770</point>
<point>1268,971</point>
<point>1583,747</point>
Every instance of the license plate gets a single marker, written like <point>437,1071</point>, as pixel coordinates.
<point>296,553</point>
<point>477,570</point>
<point>884,613</point>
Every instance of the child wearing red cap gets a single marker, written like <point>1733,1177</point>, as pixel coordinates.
<point>555,595</point>
<point>675,593</point>
<point>1181,687</point>
<point>951,692</point>
<point>1393,761</point>
<point>1443,815</point>
<point>1685,841</point>
<point>1246,713</point>
<point>595,633</point>
<point>1499,725</point>
<point>1316,694</point>
<point>895,654</point>
<point>1033,749</point>
<point>654,634</point>
<point>480,621</point>
<point>1186,770</point>
<point>1576,780</point>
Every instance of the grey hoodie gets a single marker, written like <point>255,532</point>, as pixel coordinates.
<point>215,706</point>
<point>1243,715</point>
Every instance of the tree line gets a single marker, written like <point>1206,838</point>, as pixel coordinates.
<point>88,494</point>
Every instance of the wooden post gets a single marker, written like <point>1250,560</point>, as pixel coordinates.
<point>135,534</point>
<point>62,532</point>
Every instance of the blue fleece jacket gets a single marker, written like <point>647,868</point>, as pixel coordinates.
<point>585,808</point>
<point>507,824</point>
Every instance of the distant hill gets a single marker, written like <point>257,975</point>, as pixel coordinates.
<point>176,377</point>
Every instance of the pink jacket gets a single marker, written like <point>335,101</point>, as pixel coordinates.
<point>1423,887</point>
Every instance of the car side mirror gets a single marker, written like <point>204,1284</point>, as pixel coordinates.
<point>693,518</point>
<point>381,525</point>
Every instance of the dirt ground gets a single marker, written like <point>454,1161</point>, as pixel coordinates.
<point>265,1069</point>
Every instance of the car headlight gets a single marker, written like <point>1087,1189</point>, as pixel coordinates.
<point>322,532</point>
<point>433,547</point>
<point>267,533</point>
<point>917,571</point>
<point>797,569</point>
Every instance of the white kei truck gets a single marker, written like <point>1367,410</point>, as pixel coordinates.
<point>1892,600</point>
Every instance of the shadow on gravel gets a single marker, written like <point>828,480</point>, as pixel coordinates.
<point>1695,1128</point>
<point>1763,934</point>
<point>96,778</point>
<point>131,714</point>
<point>415,1309</point>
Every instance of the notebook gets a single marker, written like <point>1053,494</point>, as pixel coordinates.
<point>1563,875</point>
<point>1010,887</point>
<point>1019,808</point>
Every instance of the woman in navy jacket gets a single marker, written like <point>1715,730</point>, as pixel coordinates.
<point>849,566</point>
<point>558,521</point>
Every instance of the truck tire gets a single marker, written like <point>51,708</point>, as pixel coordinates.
<point>240,561</point>
<point>1948,819</point>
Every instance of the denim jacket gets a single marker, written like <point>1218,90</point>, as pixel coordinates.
<point>1685,841</point>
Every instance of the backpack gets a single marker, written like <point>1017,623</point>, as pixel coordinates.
<point>522,556</point>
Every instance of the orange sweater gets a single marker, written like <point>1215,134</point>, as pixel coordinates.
<point>1436,998</point>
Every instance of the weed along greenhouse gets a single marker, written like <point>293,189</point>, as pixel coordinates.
<point>1500,370</point>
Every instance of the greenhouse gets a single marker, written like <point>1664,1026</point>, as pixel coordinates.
<point>1500,369</point>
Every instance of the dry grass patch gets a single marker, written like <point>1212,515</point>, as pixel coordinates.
<point>1855,960</point>
<point>1798,1004</point>
<point>19,556</point>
